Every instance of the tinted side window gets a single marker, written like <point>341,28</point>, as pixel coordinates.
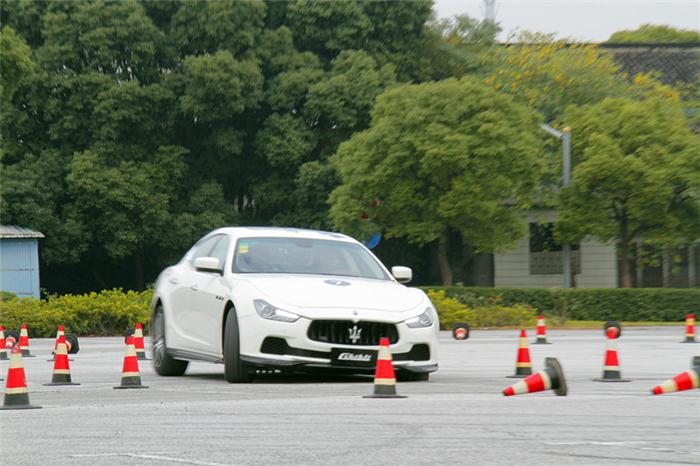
<point>204,248</point>
<point>220,249</point>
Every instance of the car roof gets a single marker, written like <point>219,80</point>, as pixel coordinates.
<point>286,232</point>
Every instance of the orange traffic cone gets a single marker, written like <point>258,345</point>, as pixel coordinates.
<point>3,345</point>
<point>551,378</point>
<point>24,342</point>
<point>16,393</point>
<point>541,332</point>
<point>684,381</point>
<point>138,343</point>
<point>61,368</point>
<point>523,367</point>
<point>611,369</point>
<point>384,378</point>
<point>689,329</point>
<point>131,378</point>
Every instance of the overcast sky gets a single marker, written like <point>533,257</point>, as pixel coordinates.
<point>584,20</point>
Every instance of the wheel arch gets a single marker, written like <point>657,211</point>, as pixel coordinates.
<point>230,307</point>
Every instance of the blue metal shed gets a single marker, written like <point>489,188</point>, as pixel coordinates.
<point>19,261</point>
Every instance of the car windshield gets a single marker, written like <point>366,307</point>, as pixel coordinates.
<point>305,256</point>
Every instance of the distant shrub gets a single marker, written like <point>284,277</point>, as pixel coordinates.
<point>105,313</point>
<point>7,296</point>
<point>482,312</point>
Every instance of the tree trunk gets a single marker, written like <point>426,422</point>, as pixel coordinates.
<point>691,266</point>
<point>639,249</point>
<point>138,271</point>
<point>666,267</point>
<point>443,262</point>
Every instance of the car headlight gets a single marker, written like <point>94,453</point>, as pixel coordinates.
<point>421,321</point>
<point>270,312</point>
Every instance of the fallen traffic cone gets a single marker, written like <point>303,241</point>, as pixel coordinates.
<point>689,329</point>
<point>460,331</point>
<point>138,343</point>
<point>24,342</point>
<point>131,378</point>
<point>16,393</point>
<point>3,345</point>
<point>684,381</point>
<point>551,378</point>
<point>384,378</point>
<point>523,367</point>
<point>611,369</point>
<point>61,368</point>
<point>541,332</point>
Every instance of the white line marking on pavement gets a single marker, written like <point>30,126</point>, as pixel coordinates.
<point>150,457</point>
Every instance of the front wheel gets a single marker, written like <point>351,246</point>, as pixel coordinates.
<point>235,370</point>
<point>163,364</point>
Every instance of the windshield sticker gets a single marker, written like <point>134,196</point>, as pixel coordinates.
<point>243,247</point>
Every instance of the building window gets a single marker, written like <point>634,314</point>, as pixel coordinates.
<point>546,252</point>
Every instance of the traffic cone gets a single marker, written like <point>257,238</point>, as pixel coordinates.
<point>24,342</point>
<point>59,333</point>
<point>384,378</point>
<point>131,378</point>
<point>61,368</point>
<point>3,345</point>
<point>684,381</point>
<point>523,367</point>
<point>551,378</point>
<point>689,329</point>
<point>16,393</point>
<point>541,332</point>
<point>611,369</point>
<point>138,343</point>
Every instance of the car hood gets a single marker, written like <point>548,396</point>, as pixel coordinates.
<point>320,291</point>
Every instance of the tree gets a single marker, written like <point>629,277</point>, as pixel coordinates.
<point>636,175</point>
<point>447,156</point>
<point>656,34</point>
<point>15,62</point>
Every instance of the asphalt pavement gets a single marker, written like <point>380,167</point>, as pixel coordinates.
<point>458,417</point>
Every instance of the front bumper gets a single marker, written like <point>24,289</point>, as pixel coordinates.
<point>281,345</point>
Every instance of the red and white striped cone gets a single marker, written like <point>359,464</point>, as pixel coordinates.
<point>138,343</point>
<point>384,378</point>
<point>16,393</point>
<point>60,332</point>
<point>3,345</point>
<point>684,381</point>
<point>131,378</point>
<point>61,368</point>
<point>523,366</point>
<point>24,342</point>
<point>541,332</point>
<point>551,378</point>
<point>689,329</point>
<point>611,368</point>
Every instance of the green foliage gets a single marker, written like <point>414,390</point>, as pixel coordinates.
<point>106,313</point>
<point>639,304</point>
<point>419,171</point>
<point>7,296</point>
<point>488,313</point>
<point>15,62</point>
<point>636,175</point>
<point>656,34</point>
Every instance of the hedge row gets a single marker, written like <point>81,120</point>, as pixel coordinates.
<point>105,313</point>
<point>636,304</point>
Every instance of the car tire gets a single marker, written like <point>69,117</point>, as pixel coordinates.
<point>163,364</point>
<point>235,370</point>
<point>412,377</point>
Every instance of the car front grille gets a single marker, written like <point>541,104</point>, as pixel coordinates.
<point>341,332</point>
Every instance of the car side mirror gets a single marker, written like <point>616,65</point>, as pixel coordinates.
<point>402,274</point>
<point>207,264</point>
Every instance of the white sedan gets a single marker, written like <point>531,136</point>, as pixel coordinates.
<point>290,299</point>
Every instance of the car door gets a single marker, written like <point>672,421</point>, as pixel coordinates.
<point>185,323</point>
<point>209,293</point>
